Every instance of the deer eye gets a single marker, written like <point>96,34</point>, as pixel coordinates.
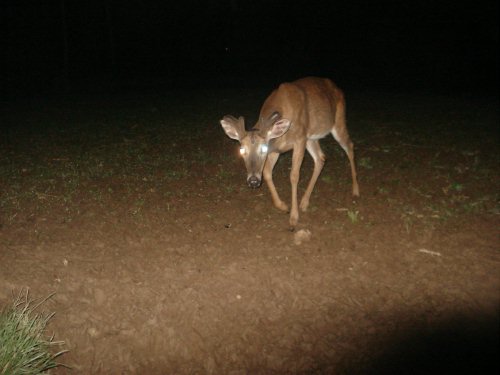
<point>243,150</point>
<point>263,149</point>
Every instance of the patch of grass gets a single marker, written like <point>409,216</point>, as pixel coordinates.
<point>24,349</point>
<point>327,178</point>
<point>176,174</point>
<point>365,163</point>
<point>410,216</point>
<point>353,215</point>
<point>382,190</point>
<point>486,203</point>
<point>224,175</point>
<point>138,206</point>
<point>202,156</point>
<point>457,187</point>
<point>226,180</point>
<point>419,191</point>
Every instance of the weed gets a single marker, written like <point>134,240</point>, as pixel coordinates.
<point>382,190</point>
<point>353,215</point>
<point>327,178</point>
<point>365,163</point>
<point>139,204</point>
<point>23,346</point>
<point>223,174</point>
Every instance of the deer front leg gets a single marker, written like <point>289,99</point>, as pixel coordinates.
<point>314,150</point>
<point>272,158</point>
<point>298,156</point>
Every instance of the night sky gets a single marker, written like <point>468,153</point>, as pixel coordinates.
<point>69,45</point>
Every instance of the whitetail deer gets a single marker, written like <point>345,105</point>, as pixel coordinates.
<point>295,116</point>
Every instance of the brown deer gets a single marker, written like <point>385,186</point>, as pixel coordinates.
<point>294,117</point>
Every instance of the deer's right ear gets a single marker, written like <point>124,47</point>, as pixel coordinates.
<point>234,128</point>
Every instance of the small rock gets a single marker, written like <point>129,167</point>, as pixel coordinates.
<point>301,236</point>
<point>93,332</point>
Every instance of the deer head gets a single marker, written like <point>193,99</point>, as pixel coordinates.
<point>254,144</point>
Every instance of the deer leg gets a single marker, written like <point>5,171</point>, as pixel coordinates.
<point>342,137</point>
<point>297,157</point>
<point>315,151</point>
<point>272,158</point>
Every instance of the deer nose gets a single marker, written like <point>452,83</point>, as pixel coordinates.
<point>253,182</point>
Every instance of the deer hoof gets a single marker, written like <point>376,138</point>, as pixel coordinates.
<point>281,206</point>
<point>304,205</point>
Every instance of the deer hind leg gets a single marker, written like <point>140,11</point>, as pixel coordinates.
<point>342,137</point>
<point>272,158</point>
<point>297,157</point>
<point>315,151</point>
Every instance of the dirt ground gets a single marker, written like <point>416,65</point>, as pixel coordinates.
<point>134,210</point>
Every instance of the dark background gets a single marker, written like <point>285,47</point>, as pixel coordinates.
<point>64,46</point>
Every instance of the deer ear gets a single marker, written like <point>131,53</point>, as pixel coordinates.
<point>279,128</point>
<point>275,116</point>
<point>234,128</point>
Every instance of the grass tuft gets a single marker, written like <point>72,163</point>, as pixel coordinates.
<point>353,215</point>
<point>24,349</point>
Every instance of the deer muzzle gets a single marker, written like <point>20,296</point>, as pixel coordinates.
<point>254,182</point>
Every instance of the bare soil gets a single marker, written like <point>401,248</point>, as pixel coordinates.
<point>134,210</point>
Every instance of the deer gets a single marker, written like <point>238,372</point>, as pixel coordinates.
<point>295,116</point>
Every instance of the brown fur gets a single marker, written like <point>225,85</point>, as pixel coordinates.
<point>315,108</point>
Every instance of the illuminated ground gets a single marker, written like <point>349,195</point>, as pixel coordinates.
<point>134,210</point>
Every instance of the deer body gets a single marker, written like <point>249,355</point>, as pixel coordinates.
<point>294,117</point>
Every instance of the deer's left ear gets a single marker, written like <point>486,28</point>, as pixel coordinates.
<point>279,128</point>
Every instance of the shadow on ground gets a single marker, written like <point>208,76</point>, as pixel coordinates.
<point>453,346</point>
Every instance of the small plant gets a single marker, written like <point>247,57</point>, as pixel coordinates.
<point>224,175</point>
<point>382,190</point>
<point>23,346</point>
<point>365,163</point>
<point>457,187</point>
<point>353,216</point>
<point>139,204</point>
<point>327,178</point>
